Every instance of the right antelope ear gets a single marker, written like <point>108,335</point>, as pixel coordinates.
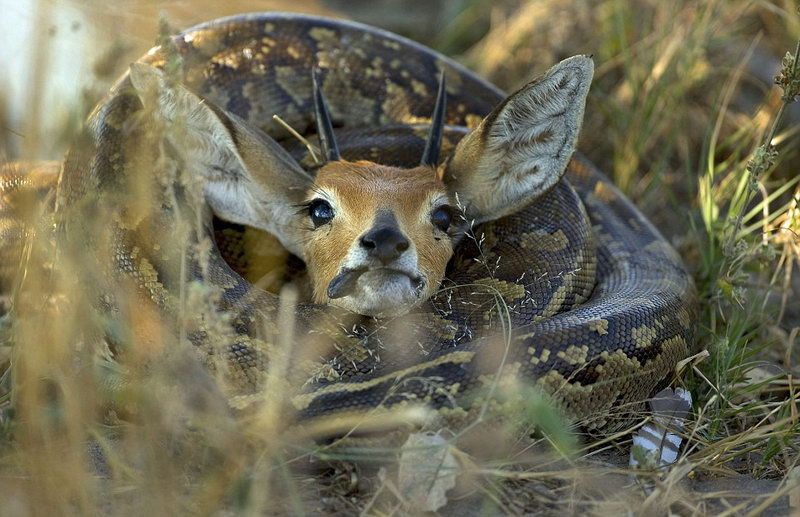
<point>247,177</point>
<point>522,148</point>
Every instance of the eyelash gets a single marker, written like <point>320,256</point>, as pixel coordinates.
<point>302,208</point>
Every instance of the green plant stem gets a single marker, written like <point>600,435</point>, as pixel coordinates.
<point>765,145</point>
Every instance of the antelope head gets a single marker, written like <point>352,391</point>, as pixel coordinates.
<point>377,239</point>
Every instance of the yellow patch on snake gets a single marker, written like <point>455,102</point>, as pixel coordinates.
<point>443,328</point>
<point>553,382</point>
<point>323,35</point>
<point>574,354</point>
<point>375,69</point>
<point>396,104</point>
<point>241,402</point>
<point>359,108</point>
<point>301,402</point>
<point>148,332</point>
<point>683,317</point>
<point>293,52</point>
<point>578,400</point>
<point>600,326</point>
<point>557,300</point>
<point>543,357</point>
<point>510,291</point>
<point>453,388</point>
<point>266,45</point>
<point>353,352</point>
<point>230,59</point>
<point>588,275</point>
<point>635,224</point>
<point>244,370</point>
<point>604,193</point>
<point>618,376</point>
<point>506,377</point>
<point>296,86</point>
<point>472,121</point>
<point>147,277</point>
<point>643,336</point>
<point>10,226</point>
<point>207,42</point>
<point>454,417</point>
<point>540,240</point>
<point>419,87</point>
<point>390,44</point>
<point>433,389</point>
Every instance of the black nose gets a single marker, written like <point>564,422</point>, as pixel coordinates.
<point>385,243</point>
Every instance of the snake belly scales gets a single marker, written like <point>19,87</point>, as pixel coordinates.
<point>592,304</point>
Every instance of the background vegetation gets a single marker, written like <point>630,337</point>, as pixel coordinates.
<point>683,98</point>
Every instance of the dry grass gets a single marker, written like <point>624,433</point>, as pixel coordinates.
<point>683,97</point>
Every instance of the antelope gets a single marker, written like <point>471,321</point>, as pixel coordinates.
<point>376,239</point>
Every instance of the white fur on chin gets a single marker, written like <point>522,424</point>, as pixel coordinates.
<point>381,293</point>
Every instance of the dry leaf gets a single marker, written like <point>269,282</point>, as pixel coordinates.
<point>427,471</point>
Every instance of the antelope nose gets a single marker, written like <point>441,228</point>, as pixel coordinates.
<point>385,244</point>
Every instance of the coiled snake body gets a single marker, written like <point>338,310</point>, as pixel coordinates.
<point>577,293</point>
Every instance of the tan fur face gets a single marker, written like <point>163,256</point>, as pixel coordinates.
<point>397,203</point>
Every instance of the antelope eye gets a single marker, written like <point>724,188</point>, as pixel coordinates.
<point>320,211</point>
<point>442,217</point>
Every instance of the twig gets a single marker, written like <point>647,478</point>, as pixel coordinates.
<point>298,136</point>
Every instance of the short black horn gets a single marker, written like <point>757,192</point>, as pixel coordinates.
<point>324,125</point>
<point>434,144</point>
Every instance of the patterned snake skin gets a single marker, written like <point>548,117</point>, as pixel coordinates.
<point>577,294</point>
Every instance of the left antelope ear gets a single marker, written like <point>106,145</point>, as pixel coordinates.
<point>247,177</point>
<point>522,148</point>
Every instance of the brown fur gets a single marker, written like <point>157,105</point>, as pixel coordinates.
<point>358,191</point>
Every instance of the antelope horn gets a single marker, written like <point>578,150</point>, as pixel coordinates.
<point>434,144</point>
<point>324,126</point>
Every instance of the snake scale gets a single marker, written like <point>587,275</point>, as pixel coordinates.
<point>577,293</point>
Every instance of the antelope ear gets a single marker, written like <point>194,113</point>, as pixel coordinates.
<point>247,177</point>
<point>522,148</point>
